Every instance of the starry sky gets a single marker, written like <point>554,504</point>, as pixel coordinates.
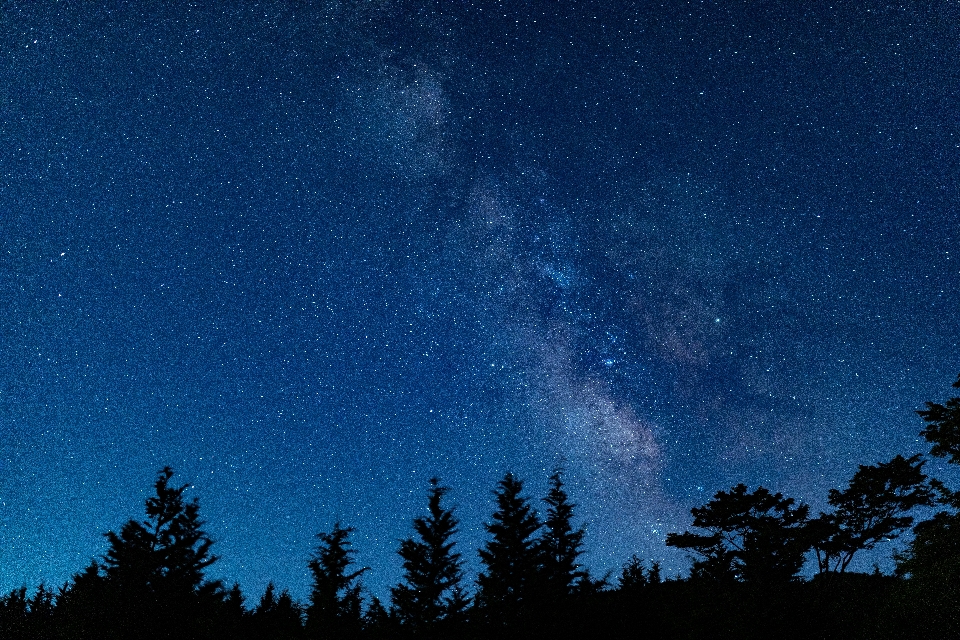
<point>311,254</point>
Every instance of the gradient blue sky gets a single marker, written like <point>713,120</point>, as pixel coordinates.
<point>311,254</point>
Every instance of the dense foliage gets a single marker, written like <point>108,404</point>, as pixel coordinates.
<point>744,581</point>
<point>430,597</point>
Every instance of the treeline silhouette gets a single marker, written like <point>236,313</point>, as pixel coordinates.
<point>747,552</point>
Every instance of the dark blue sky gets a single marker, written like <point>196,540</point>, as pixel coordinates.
<point>311,254</point>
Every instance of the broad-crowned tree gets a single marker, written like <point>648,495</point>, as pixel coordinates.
<point>751,536</point>
<point>872,508</point>
<point>943,427</point>
<point>931,561</point>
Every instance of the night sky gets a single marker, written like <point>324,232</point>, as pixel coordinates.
<point>310,254</point>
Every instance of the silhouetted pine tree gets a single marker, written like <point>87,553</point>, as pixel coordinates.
<point>430,593</point>
<point>23,618</point>
<point>335,603</point>
<point>635,576</point>
<point>277,617</point>
<point>377,621</point>
<point>560,545</point>
<point>85,606</point>
<point>653,576</point>
<point>155,567</point>
<point>511,556</point>
<point>13,614</point>
<point>41,611</point>
<point>232,617</point>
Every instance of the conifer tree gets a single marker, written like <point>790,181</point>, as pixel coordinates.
<point>653,575</point>
<point>268,601</point>
<point>560,545</point>
<point>430,592</point>
<point>155,566</point>
<point>42,607</point>
<point>168,551</point>
<point>632,576</point>
<point>635,576</point>
<point>87,605</point>
<point>335,603</point>
<point>277,617</point>
<point>377,621</point>
<point>511,556</point>
<point>234,600</point>
<point>231,617</point>
<point>14,611</point>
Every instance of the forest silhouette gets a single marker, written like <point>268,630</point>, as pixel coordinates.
<point>747,550</point>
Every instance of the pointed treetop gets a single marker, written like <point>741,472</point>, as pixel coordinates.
<point>430,592</point>
<point>511,556</point>
<point>335,602</point>
<point>560,545</point>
